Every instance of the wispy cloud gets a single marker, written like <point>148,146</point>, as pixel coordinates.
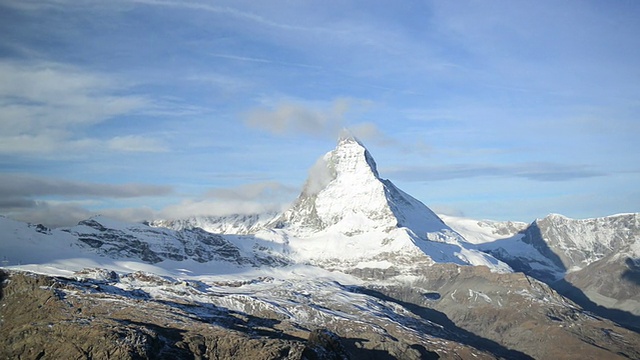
<point>229,11</point>
<point>290,117</point>
<point>297,118</point>
<point>244,199</point>
<point>44,105</point>
<point>136,143</point>
<point>28,186</point>
<point>264,61</point>
<point>532,171</point>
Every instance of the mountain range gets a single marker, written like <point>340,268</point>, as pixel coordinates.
<point>355,268</point>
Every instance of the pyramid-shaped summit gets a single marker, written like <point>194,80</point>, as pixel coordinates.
<point>344,192</point>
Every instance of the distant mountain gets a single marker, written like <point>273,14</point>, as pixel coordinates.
<point>240,224</point>
<point>595,261</point>
<point>101,240</point>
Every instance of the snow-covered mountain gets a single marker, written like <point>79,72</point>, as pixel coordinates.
<point>579,243</point>
<point>348,217</point>
<point>240,224</point>
<point>354,254</point>
<point>345,192</point>
<point>123,246</point>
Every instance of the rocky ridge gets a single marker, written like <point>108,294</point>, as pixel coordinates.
<point>592,261</point>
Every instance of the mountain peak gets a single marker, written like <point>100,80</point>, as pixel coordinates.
<point>351,156</point>
<point>345,191</point>
<point>346,135</point>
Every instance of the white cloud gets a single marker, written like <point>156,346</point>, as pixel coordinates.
<point>136,214</point>
<point>244,199</point>
<point>265,191</point>
<point>289,117</point>
<point>190,208</point>
<point>45,104</point>
<point>320,175</point>
<point>370,132</point>
<point>136,143</point>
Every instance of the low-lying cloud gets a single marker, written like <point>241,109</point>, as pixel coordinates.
<point>28,198</point>
<point>244,199</point>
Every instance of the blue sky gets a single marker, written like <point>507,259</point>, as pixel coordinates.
<point>138,109</point>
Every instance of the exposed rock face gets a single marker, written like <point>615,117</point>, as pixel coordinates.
<point>39,320</point>
<point>574,244</point>
<point>511,311</point>
<point>375,275</point>
<point>324,345</point>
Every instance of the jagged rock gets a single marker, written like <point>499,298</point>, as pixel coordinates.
<point>324,345</point>
<point>153,245</point>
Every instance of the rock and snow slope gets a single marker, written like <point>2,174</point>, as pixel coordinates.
<point>598,258</point>
<point>239,224</point>
<point>121,246</point>
<point>354,254</point>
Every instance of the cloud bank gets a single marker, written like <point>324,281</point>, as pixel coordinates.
<point>57,202</point>
<point>547,172</point>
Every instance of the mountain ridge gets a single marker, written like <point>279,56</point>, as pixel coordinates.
<point>354,255</point>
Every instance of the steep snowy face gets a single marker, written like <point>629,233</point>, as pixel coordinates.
<point>345,192</point>
<point>354,196</point>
